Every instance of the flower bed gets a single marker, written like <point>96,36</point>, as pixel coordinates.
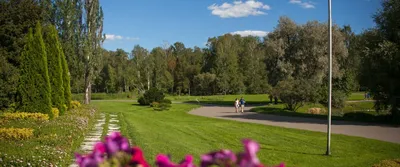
<point>116,151</point>
<point>25,115</point>
<point>16,133</point>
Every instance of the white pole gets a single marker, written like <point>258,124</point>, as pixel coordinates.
<point>328,146</point>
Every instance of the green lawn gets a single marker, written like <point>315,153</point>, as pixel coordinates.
<point>356,96</point>
<point>178,133</point>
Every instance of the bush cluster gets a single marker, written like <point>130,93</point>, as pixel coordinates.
<point>55,112</point>
<point>150,96</point>
<point>16,133</point>
<point>75,104</point>
<point>155,98</point>
<point>25,115</point>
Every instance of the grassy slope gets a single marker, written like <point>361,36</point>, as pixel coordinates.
<point>177,133</point>
<point>54,141</point>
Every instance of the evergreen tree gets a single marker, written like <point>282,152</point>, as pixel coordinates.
<point>66,80</point>
<point>53,52</point>
<point>34,85</point>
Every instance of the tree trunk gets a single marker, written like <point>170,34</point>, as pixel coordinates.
<point>88,87</point>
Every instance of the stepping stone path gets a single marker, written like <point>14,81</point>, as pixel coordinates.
<point>113,124</point>
<point>95,135</point>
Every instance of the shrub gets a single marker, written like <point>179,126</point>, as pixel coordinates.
<point>75,104</point>
<point>168,101</point>
<point>316,111</point>
<point>55,112</point>
<point>155,104</point>
<point>34,85</point>
<point>164,106</point>
<point>152,95</point>
<point>25,115</point>
<point>294,93</point>
<point>143,101</point>
<point>16,133</point>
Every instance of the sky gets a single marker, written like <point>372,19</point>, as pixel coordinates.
<point>154,23</point>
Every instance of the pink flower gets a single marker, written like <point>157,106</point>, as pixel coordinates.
<point>221,158</point>
<point>164,161</point>
<point>138,158</point>
<point>115,142</point>
<point>249,157</point>
<point>100,147</point>
<point>91,160</point>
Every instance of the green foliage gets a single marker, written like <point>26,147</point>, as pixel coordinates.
<point>8,80</point>
<point>164,104</point>
<point>204,83</point>
<point>16,133</point>
<point>16,17</point>
<point>154,104</point>
<point>162,107</point>
<point>75,104</point>
<point>380,63</point>
<point>55,112</point>
<point>167,101</point>
<point>225,65</point>
<point>143,101</point>
<point>25,116</point>
<point>34,85</point>
<point>152,95</point>
<point>54,64</point>
<point>294,93</point>
<point>66,81</point>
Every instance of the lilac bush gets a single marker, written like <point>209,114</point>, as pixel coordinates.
<point>116,151</point>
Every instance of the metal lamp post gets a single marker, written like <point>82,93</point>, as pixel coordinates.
<point>328,144</point>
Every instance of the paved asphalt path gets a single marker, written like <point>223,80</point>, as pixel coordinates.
<point>373,131</point>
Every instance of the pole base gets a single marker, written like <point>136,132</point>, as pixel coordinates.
<point>327,153</point>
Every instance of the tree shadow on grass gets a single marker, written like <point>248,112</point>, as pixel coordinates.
<point>281,115</point>
<point>292,152</point>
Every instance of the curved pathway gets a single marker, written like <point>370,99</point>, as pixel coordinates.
<point>373,131</point>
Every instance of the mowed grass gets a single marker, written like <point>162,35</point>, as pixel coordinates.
<point>356,96</point>
<point>178,133</point>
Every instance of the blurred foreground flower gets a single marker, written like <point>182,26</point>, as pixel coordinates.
<point>115,151</point>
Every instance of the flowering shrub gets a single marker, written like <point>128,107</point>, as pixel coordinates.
<point>116,151</point>
<point>154,104</point>
<point>16,133</point>
<point>75,104</point>
<point>55,112</point>
<point>26,115</point>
